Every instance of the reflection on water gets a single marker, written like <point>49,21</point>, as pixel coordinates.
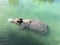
<point>11,34</point>
<point>13,2</point>
<point>43,1</point>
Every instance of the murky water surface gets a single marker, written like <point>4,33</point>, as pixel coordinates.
<point>11,34</point>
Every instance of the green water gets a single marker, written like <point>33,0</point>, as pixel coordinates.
<point>11,34</point>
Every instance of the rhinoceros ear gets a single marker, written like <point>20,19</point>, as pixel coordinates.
<point>20,20</point>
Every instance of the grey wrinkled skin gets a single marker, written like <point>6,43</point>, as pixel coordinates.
<point>36,25</point>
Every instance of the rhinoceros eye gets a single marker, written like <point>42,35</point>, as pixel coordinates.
<point>19,21</point>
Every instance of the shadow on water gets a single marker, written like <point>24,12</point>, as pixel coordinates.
<point>21,39</point>
<point>38,32</point>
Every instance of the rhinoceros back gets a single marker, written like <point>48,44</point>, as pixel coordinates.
<point>38,26</point>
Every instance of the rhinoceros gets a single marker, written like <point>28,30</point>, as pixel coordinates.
<point>35,25</point>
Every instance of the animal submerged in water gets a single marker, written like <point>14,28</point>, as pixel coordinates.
<point>35,25</point>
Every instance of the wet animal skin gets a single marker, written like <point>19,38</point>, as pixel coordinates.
<point>36,25</point>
